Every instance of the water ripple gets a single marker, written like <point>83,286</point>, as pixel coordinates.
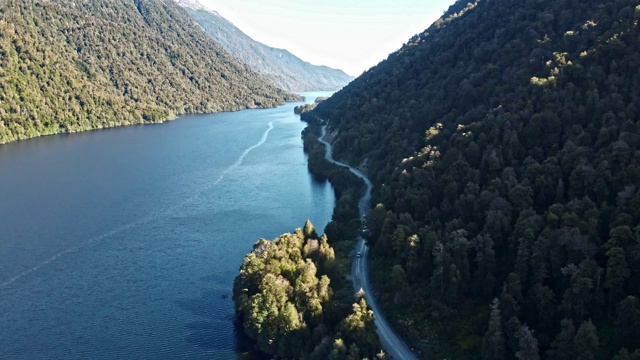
<point>131,225</point>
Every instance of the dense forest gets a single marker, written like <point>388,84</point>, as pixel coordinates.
<point>301,109</point>
<point>68,66</point>
<point>283,68</point>
<point>504,145</point>
<point>287,304</point>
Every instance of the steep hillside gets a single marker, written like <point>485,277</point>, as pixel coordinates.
<point>504,145</point>
<point>69,66</point>
<point>284,68</point>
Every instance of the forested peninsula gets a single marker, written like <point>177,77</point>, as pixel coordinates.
<point>295,302</point>
<point>504,147</point>
<point>68,66</point>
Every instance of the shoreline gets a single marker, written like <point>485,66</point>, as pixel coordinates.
<point>395,346</point>
<point>143,123</point>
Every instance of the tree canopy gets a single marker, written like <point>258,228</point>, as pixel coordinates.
<point>284,296</point>
<point>504,146</point>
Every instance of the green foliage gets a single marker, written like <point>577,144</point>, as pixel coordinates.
<point>585,344</point>
<point>562,346</point>
<point>493,346</point>
<point>624,353</point>
<point>528,345</point>
<point>506,164</point>
<point>348,188</point>
<point>301,109</point>
<point>359,328</point>
<point>68,66</point>
<point>288,307</point>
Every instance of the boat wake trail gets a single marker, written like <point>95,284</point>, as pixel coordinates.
<point>144,220</point>
<point>226,171</point>
<point>244,155</point>
<point>71,250</point>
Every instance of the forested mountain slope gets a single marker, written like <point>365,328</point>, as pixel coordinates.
<point>68,66</point>
<point>504,144</point>
<point>285,69</point>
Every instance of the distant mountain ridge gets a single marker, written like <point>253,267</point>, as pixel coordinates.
<point>192,4</point>
<point>285,69</point>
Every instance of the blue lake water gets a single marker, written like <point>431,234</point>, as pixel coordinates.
<point>124,243</point>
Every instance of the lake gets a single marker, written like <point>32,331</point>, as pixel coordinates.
<point>124,243</point>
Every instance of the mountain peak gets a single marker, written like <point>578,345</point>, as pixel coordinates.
<point>192,4</point>
<point>281,66</point>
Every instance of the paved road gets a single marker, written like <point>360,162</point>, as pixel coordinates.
<point>391,342</point>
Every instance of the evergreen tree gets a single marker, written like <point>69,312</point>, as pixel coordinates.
<point>624,354</point>
<point>528,344</point>
<point>617,273</point>
<point>585,344</point>
<point>493,346</point>
<point>562,346</point>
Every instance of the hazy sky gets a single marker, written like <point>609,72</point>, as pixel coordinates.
<point>351,35</point>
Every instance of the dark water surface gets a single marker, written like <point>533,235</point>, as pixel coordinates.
<point>124,243</point>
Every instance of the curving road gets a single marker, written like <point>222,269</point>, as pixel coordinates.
<point>391,342</point>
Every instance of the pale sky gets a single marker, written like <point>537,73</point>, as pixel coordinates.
<point>351,35</point>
